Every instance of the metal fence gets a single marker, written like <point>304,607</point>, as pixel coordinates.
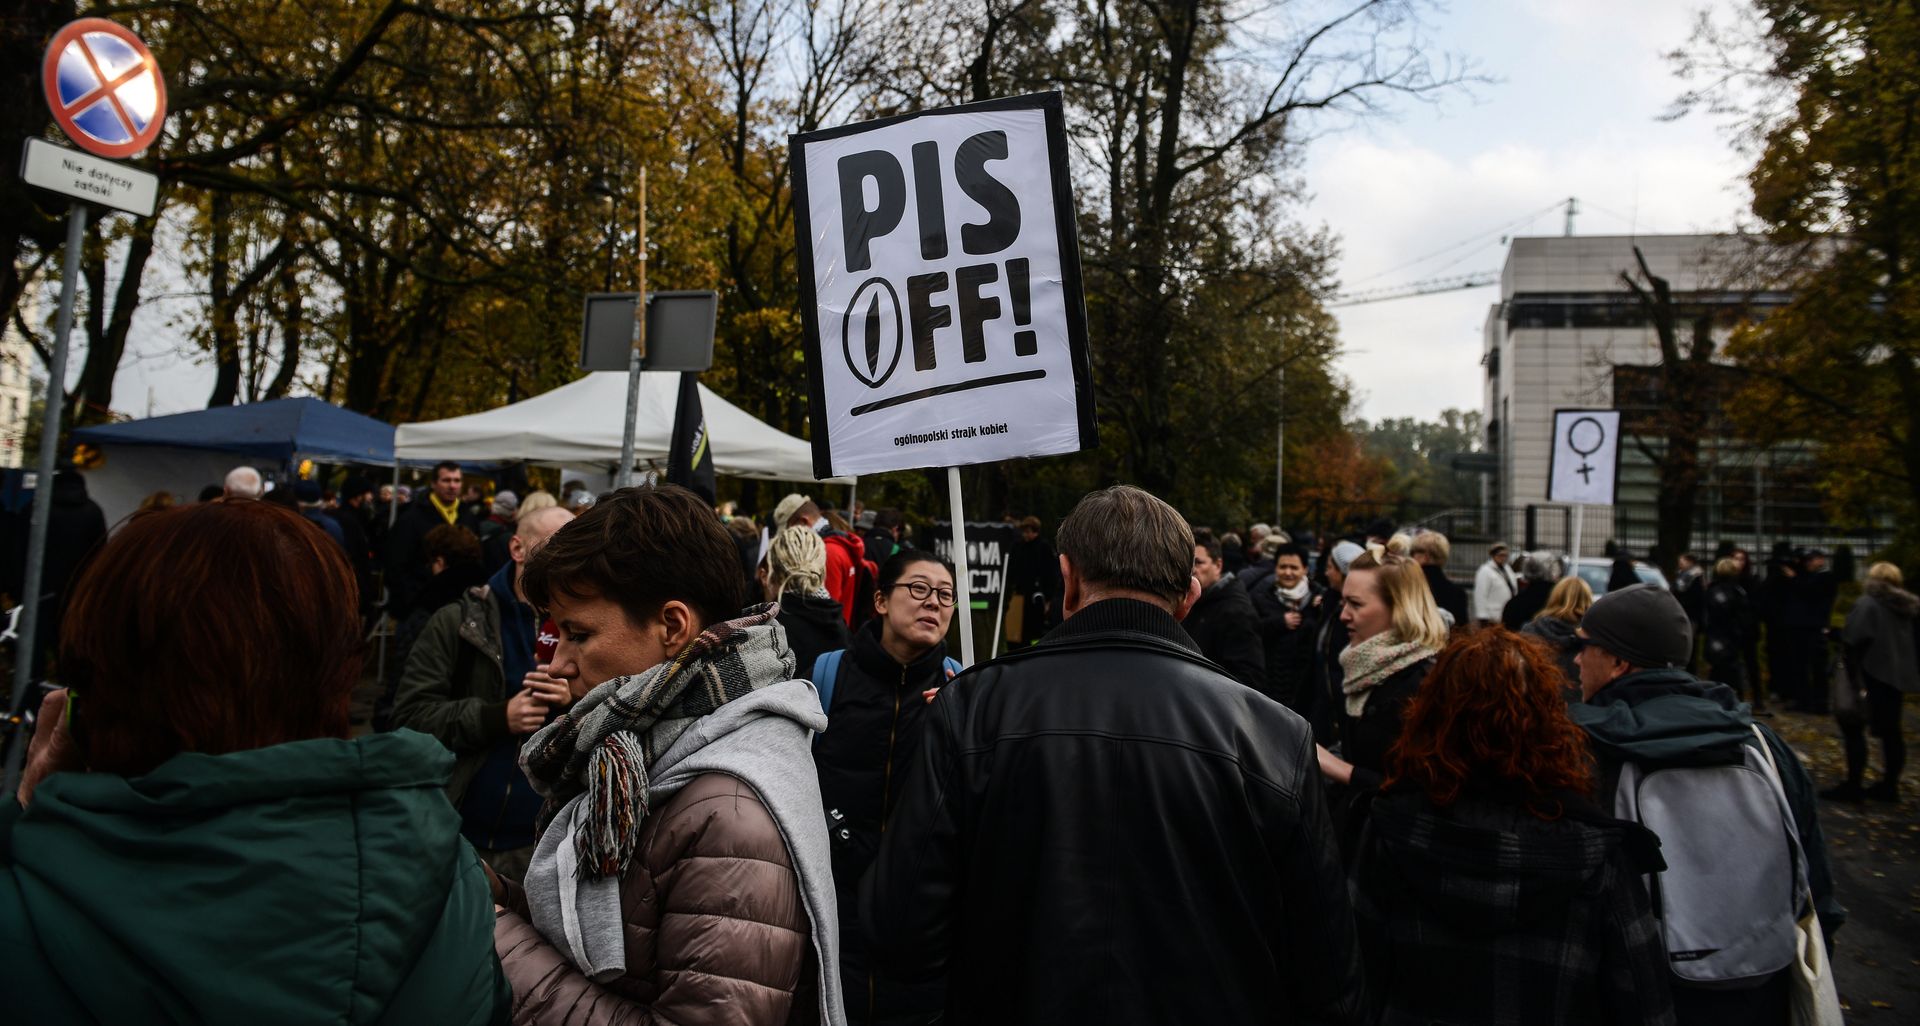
<point>1472,530</point>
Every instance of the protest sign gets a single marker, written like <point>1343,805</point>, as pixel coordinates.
<point>941,289</point>
<point>1586,457</point>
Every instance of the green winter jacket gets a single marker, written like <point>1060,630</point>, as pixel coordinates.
<point>1672,718</point>
<point>454,686</point>
<point>320,881</point>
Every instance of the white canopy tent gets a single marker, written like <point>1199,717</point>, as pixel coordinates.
<point>580,423</point>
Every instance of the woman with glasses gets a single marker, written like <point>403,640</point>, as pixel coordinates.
<point>875,692</point>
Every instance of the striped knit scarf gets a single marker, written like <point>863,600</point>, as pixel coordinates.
<point>604,744</point>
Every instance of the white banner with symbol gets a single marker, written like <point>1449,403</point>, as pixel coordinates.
<point>1586,457</point>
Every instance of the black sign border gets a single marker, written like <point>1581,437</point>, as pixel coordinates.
<point>1065,218</point>
<point>1553,452</point>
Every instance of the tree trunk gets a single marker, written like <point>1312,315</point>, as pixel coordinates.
<point>221,315</point>
<point>107,336</point>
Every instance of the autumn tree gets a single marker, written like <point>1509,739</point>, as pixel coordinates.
<point>1826,94</point>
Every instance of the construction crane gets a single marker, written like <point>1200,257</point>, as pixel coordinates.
<point>1455,282</point>
<point>1427,287</point>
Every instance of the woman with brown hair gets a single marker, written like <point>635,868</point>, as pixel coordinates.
<point>196,838</point>
<point>1488,887</point>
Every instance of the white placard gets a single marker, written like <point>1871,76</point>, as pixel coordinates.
<point>1586,457</point>
<point>944,319</point>
<point>85,176</point>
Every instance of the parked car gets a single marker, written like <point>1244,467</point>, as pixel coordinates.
<point>1595,570</point>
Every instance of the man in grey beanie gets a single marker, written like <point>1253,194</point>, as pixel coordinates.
<point>1640,705</point>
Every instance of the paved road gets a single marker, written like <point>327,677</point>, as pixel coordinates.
<point>1876,866</point>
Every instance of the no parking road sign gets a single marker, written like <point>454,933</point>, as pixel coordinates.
<point>107,94</point>
<point>104,87</point>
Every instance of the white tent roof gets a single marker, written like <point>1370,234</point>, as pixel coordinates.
<point>580,423</point>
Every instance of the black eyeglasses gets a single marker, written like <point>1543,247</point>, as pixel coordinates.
<point>921,591</point>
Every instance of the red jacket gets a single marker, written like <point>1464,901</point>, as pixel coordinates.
<point>846,556</point>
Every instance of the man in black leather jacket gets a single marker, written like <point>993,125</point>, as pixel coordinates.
<point>1108,828</point>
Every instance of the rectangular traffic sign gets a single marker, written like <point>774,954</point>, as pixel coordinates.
<point>87,177</point>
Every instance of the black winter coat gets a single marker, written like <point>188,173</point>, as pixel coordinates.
<point>1329,640</point>
<point>1447,595</point>
<point>873,733</point>
<point>1527,604</point>
<point>407,569</point>
<point>1222,624</point>
<point>815,624</point>
<point>1728,622</point>
<point>1482,912</point>
<point>1559,635</point>
<point>1364,741</point>
<point>1288,650</point>
<point>1104,828</point>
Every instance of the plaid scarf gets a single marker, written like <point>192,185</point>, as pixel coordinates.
<point>604,744</point>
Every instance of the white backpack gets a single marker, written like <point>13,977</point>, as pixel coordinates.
<point>1736,879</point>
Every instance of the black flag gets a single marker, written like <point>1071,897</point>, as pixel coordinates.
<point>689,460</point>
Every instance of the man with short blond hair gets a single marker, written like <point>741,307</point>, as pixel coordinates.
<point>1144,821</point>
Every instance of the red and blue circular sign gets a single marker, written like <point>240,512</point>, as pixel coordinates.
<point>104,87</point>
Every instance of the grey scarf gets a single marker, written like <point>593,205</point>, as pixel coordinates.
<point>602,747</point>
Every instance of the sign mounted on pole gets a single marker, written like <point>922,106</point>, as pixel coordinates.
<point>72,173</point>
<point>941,286</point>
<point>1586,457</point>
<point>104,88</point>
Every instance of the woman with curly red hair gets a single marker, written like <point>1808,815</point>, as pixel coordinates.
<point>1489,888</point>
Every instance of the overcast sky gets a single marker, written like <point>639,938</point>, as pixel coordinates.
<point>1574,112</point>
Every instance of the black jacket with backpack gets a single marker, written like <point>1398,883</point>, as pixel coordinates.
<point>876,706</point>
<point>815,624</point>
<point>1666,719</point>
<point>1483,912</point>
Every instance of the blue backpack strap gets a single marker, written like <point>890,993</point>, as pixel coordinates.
<point>826,670</point>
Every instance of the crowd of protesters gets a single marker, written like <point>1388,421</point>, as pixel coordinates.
<point>641,760</point>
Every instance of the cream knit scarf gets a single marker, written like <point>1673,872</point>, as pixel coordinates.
<point>1369,662</point>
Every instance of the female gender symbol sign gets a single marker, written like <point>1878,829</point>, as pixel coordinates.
<point>104,87</point>
<point>1583,430</point>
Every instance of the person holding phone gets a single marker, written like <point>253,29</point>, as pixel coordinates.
<point>456,687</point>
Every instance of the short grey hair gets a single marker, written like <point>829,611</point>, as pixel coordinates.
<point>1123,537</point>
<point>244,483</point>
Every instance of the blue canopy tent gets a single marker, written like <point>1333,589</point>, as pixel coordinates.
<point>184,451</point>
<point>278,429</point>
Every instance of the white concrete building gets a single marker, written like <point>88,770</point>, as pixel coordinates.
<point>17,364</point>
<point>1568,333</point>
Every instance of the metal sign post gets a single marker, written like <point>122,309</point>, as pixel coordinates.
<point>107,94</point>
<point>625,475</point>
<point>962,577</point>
